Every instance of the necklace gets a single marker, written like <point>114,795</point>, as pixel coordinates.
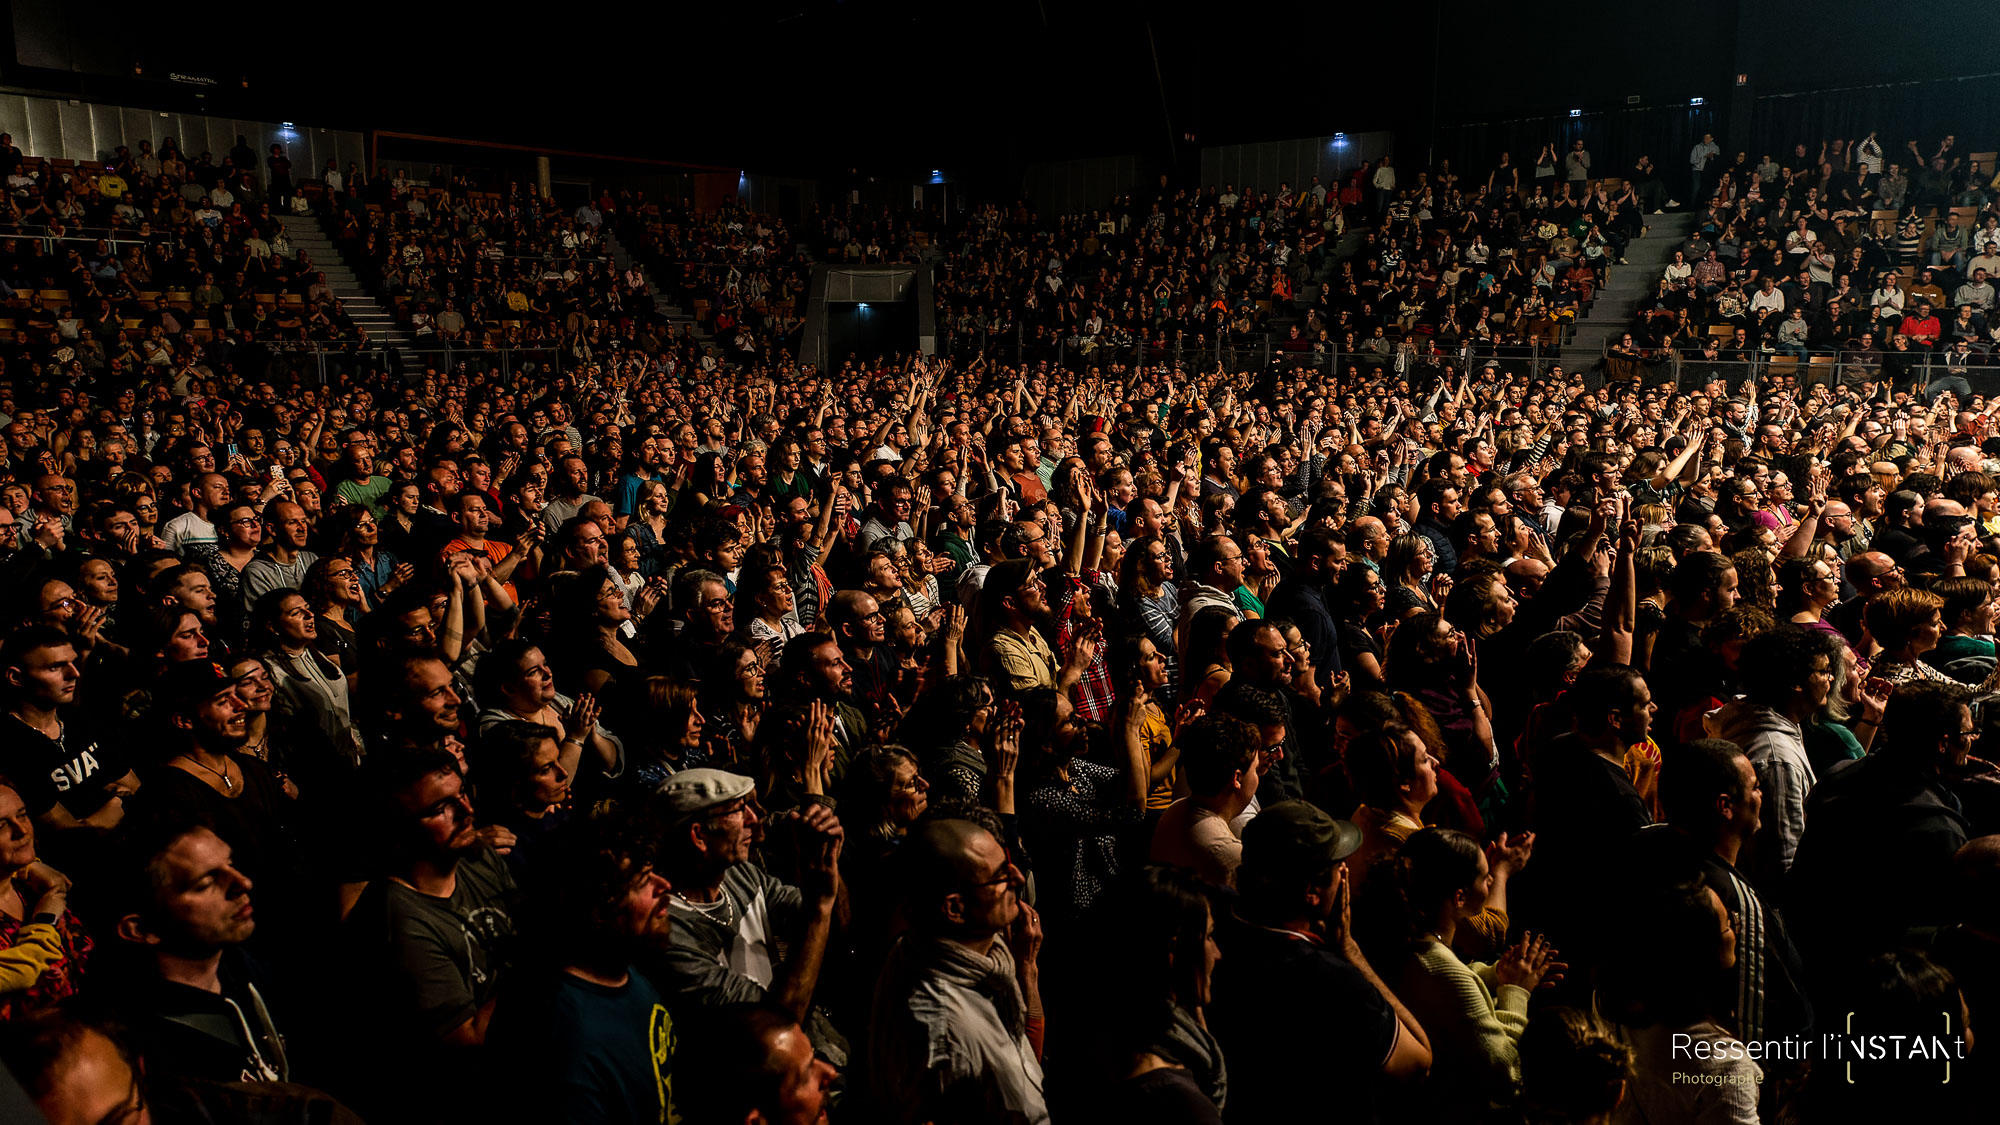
<point>228,785</point>
<point>722,905</point>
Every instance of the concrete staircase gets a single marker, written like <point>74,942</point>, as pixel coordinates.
<point>1611,312</point>
<point>676,316</point>
<point>310,240</point>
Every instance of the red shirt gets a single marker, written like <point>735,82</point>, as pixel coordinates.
<point>1926,328</point>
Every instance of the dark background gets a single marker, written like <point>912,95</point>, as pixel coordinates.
<point>979,89</point>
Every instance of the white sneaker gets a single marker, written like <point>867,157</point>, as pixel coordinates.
<point>1672,203</point>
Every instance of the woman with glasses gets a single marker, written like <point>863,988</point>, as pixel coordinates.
<point>241,531</point>
<point>732,705</point>
<point>1807,588</point>
<point>332,588</point>
<point>1147,598</point>
<point>147,508</point>
<point>353,534</point>
<point>952,729</point>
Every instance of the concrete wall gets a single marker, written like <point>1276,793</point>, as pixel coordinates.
<point>59,129</point>
<point>1265,165</point>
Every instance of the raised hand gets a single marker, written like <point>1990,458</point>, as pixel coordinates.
<point>1511,850</point>
<point>820,743</point>
<point>1529,964</point>
<point>582,718</point>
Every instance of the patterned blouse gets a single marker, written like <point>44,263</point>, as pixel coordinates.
<point>60,980</point>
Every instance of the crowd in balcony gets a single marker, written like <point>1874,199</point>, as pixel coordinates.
<point>154,260</point>
<point>1883,261</point>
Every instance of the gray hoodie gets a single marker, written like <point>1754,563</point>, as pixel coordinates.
<point>1777,751</point>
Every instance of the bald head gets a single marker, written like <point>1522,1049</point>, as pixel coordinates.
<point>1872,570</point>
<point>1370,537</point>
<point>959,880</point>
<point>1939,506</point>
<point>1525,576</point>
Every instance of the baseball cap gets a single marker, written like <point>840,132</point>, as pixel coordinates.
<point>1297,836</point>
<point>190,683</point>
<point>689,792</point>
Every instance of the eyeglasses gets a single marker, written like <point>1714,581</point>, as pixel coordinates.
<point>1008,874</point>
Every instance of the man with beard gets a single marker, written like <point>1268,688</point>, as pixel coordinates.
<point>284,560</point>
<point>814,669</point>
<point>1013,601</point>
<point>428,944</point>
<point>185,911</point>
<point>567,495</point>
<point>590,1039</point>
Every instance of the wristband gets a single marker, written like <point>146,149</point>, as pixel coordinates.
<point>45,918</point>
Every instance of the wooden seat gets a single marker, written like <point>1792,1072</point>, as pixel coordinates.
<point>1722,331</point>
<point>1967,214</point>
<point>149,294</point>
<point>53,294</point>
<point>129,323</point>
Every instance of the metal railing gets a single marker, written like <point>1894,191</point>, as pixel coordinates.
<point>508,362</point>
<point>1918,371</point>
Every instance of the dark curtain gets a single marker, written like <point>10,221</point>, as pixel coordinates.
<point>1614,139</point>
<point>1924,112</point>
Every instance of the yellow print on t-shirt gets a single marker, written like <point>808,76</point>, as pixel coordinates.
<point>660,1040</point>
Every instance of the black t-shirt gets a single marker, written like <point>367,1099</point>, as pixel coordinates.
<point>1296,1021</point>
<point>72,770</point>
